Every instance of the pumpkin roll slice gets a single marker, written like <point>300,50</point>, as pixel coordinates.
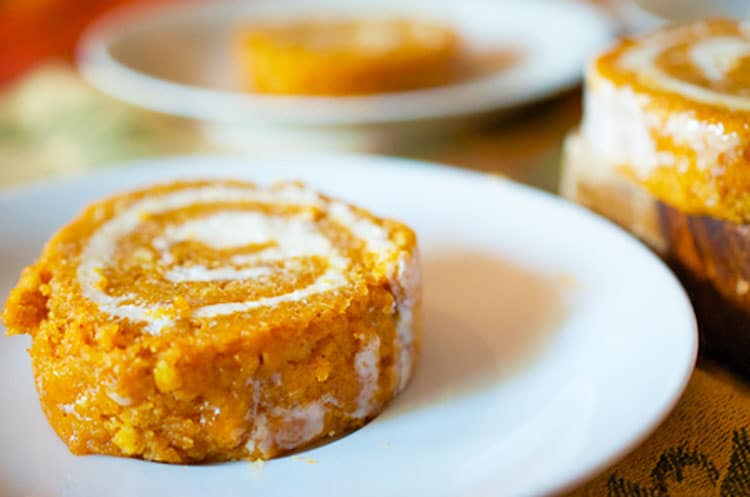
<point>664,150</point>
<point>218,320</point>
<point>345,57</point>
<point>670,111</point>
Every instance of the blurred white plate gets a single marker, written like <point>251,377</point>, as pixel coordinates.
<point>553,343</point>
<point>175,59</point>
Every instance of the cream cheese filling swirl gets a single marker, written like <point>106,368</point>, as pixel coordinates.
<point>287,236</point>
<point>707,62</point>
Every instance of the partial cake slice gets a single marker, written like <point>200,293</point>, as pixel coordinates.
<point>664,150</point>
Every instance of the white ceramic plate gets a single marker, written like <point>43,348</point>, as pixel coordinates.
<point>175,59</point>
<point>554,342</point>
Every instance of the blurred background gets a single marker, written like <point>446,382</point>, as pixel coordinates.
<point>56,121</point>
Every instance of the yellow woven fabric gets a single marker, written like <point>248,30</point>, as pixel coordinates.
<point>701,450</point>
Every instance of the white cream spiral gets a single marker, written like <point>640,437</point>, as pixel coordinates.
<point>293,235</point>
<point>713,55</point>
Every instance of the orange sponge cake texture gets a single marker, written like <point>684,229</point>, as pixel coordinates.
<point>671,110</point>
<point>345,57</point>
<point>218,320</point>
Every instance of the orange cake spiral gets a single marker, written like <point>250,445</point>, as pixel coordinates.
<point>671,110</point>
<point>218,320</point>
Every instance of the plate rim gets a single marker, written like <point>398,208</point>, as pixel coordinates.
<point>105,73</point>
<point>561,481</point>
